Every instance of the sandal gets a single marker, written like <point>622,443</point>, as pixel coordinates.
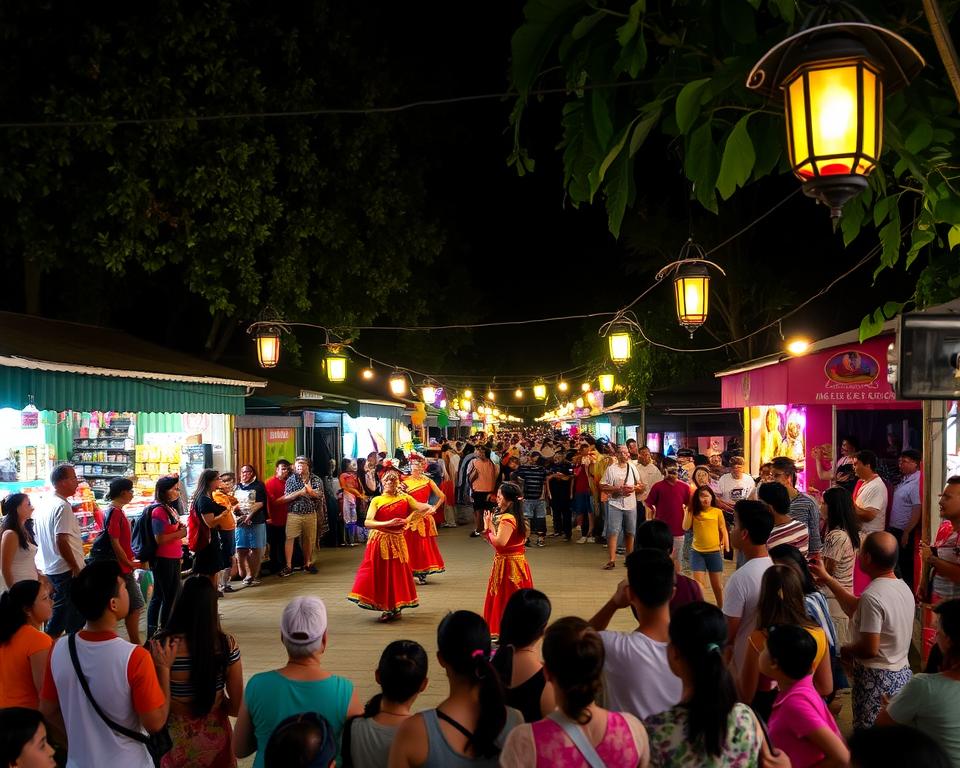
<point>385,617</point>
<point>609,566</point>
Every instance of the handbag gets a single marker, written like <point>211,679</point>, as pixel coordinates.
<point>579,739</point>
<point>157,744</point>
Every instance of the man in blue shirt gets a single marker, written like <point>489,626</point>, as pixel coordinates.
<point>905,512</point>
<point>532,477</point>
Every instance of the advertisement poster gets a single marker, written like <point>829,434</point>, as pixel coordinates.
<point>278,443</point>
<point>653,442</point>
<point>778,430</point>
<point>671,443</point>
<point>711,445</point>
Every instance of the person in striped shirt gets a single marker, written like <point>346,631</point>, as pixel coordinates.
<point>802,507</point>
<point>786,530</point>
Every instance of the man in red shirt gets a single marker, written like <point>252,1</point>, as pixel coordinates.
<point>277,515</point>
<point>666,501</point>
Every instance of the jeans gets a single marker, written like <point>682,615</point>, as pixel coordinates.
<point>65,617</point>
<point>536,511</point>
<point>562,522</point>
<point>166,587</point>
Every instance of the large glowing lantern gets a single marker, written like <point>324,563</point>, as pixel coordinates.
<point>268,347</point>
<point>691,288</point>
<point>336,364</point>
<point>606,382</point>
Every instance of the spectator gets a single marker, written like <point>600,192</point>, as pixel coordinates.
<point>840,547</point>
<point>306,514</point>
<point>559,493</point>
<point>621,482</point>
<point>302,741</point>
<point>60,548</point>
<point>666,501</point>
<point>18,548</point>
<point>277,515</point>
<point>905,512</point>
<point>251,526</point>
<point>302,685</point>
<point>117,527</point>
<point>815,602</point>
<point>227,525</point>
<point>169,534</point>
<point>752,523</point>
<point>650,475</point>
<point>870,494</point>
<point>895,745</point>
<point>709,540</point>
<point>518,661</point>
<point>206,517</point>
<point>655,534</point>
<point>580,733</point>
<point>469,727</point>
<point>930,702</point>
<point>734,485</point>
<point>843,473</point>
<point>402,677</point>
<point>881,627</point>
<point>482,474</point>
<point>781,602</point>
<point>802,508</point>
<point>112,667</point>
<point>801,725</point>
<point>583,484</point>
<point>786,530</point>
<point>353,499</point>
<point>532,476</point>
<point>708,727</point>
<point>23,646</point>
<point>636,678</point>
<point>23,739</point>
<point>206,681</point>
<point>943,561</point>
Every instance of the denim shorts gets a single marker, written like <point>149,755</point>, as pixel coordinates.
<point>583,503</point>
<point>621,520</point>
<point>534,508</point>
<point>133,589</point>
<point>251,536</point>
<point>711,562</point>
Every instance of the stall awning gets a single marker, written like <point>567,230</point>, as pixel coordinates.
<point>380,410</point>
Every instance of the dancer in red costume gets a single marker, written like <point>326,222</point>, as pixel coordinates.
<point>384,581</point>
<point>421,531</point>
<point>506,531</point>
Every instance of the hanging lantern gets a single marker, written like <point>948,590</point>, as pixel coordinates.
<point>429,393</point>
<point>468,394</point>
<point>579,402</point>
<point>562,386</point>
<point>540,391</point>
<point>833,78</point>
<point>606,382</point>
<point>465,401</point>
<point>368,373</point>
<point>691,288</point>
<point>268,346</point>
<point>621,344</point>
<point>518,394</point>
<point>398,383</point>
<point>491,395</point>
<point>585,387</point>
<point>336,363</point>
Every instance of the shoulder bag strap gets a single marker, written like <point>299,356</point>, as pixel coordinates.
<point>579,739</point>
<point>447,719</point>
<point>72,643</point>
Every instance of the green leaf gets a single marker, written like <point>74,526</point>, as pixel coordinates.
<point>633,58</point>
<point>871,325</point>
<point>619,192</point>
<point>890,237</point>
<point>547,21</point>
<point>688,103</point>
<point>953,236</point>
<point>701,165</point>
<point>786,8</point>
<point>882,208</point>
<point>947,209</point>
<point>738,159</point>
<point>626,32</point>
<point>643,129</point>
<point>919,138</point>
<point>600,117</point>
<point>851,222</point>
<point>582,28</point>
<point>596,179</point>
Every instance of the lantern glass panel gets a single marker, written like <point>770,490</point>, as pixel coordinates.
<point>336,367</point>
<point>620,347</point>
<point>606,382</point>
<point>268,349</point>
<point>693,299</point>
<point>539,391</point>
<point>398,385</point>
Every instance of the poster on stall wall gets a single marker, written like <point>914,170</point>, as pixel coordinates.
<point>778,430</point>
<point>278,443</point>
<point>671,443</point>
<point>710,445</point>
<point>653,442</point>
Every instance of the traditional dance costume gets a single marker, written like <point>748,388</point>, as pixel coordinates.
<point>510,572</point>
<point>421,532</point>
<point>384,580</point>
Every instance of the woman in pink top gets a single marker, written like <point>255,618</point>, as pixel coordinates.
<point>169,533</point>
<point>579,726</point>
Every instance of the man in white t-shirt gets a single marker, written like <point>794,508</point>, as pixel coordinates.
<point>647,470</point>
<point>620,482</point>
<point>637,676</point>
<point>752,523</point>
<point>870,495</point>
<point>881,627</point>
<point>734,485</point>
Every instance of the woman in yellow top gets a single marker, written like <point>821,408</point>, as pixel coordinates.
<point>709,540</point>
<point>781,602</point>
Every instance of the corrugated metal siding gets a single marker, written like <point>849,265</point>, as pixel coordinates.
<point>380,411</point>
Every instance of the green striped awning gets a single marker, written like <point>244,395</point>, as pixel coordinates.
<point>61,391</point>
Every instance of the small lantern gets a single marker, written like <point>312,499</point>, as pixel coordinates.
<point>540,390</point>
<point>465,401</point>
<point>833,78</point>
<point>518,394</point>
<point>491,395</point>
<point>268,346</point>
<point>562,386</point>
<point>429,393</point>
<point>468,394</point>
<point>336,364</point>
<point>621,345</point>
<point>579,402</point>
<point>398,383</point>
<point>585,387</point>
<point>606,382</point>
<point>691,287</point>
<point>368,373</point>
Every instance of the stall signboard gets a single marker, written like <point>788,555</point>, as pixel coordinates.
<point>279,443</point>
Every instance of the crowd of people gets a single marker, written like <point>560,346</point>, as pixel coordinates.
<point>816,601</point>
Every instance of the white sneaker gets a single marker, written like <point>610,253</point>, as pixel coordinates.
<point>582,540</point>
<point>591,540</point>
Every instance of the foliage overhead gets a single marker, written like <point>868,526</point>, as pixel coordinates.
<point>633,69</point>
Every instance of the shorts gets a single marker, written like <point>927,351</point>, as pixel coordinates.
<point>481,501</point>
<point>583,503</point>
<point>677,547</point>
<point>133,589</point>
<point>711,562</point>
<point>302,524</point>
<point>252,536</point>
<point>621,520</point>
<point>228,546</point>
<point>534,508</point>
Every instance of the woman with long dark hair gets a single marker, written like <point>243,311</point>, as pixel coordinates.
<point>518,658</point>
<point>710,540</point>
<point>708,728</point>
<point>469,726</point>
<point>204,533</point>
<point>506,531</point>
<point>579,733</point>
<point>169,533</point>
<point>206,681</point>
<point>18,548</point>
<point>24,647</point>
<point>840,547</point>
<point>23,739</point>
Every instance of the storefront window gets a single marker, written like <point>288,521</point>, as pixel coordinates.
<point>953,440</point>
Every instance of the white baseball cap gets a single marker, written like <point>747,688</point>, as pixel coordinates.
<point>304,620</point>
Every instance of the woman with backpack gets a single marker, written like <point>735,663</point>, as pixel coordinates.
<point>203,526</point>
<point>168,532</point>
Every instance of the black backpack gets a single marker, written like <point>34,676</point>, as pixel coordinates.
<point>142,541</point>
<point>102,548</point>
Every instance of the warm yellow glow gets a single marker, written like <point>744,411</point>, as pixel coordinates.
<point>518,394</point>
<point>579,402</point>
<point>496,412</point>
<point>562,386</point>
<point>591,398</point>
<point>268,348</point>
<point>336,367</point>
<point>798,346</point>
<point>693,300</point>
<point>491,395</point>
<point>398,384</point>
<point>465,402</point>
<point>539,391</point>
<point>368,373</point>
<point>606,382</point>
<point>585,387</point>
<point>620,344</point>
<point>429,393</point>
<point>468,395</point>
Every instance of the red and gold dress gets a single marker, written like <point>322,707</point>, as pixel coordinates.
<point>384,580</point>
<point>421,531</point>
<point>510,573</point>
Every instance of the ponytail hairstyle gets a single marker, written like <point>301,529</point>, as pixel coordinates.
<point>14,604</point>
<point>573,654</point>
<point>781,599</point>
<point>463,643</point>
<point>11,519</point>
<point>524,621</point>
<point>698,633</point>
<point>511,492</point>
<point>402,670</point>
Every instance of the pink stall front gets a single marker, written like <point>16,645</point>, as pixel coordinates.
<point>804,407</point>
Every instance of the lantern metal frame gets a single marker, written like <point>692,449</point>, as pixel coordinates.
<point>398,383</point>
<point>692,263</point>
<point>334,355</point>
<point>260,336</point>
<point>606,379</point>
<point>619,327</point>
